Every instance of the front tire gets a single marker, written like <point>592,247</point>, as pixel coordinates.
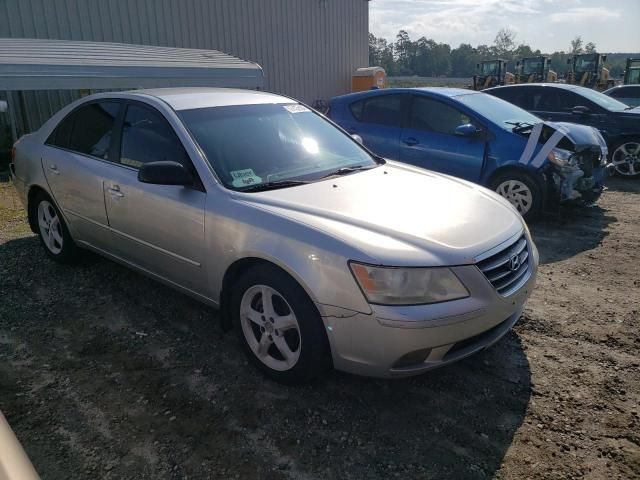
<point>522,191</point>
<point>52,231</point>
<point>626,158</point>
<point>278,326</point>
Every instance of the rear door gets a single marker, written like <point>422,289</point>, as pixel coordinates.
<point>429,140</point>
<point>78,156</point>
<point>159,228</point>
<point>378,120</point>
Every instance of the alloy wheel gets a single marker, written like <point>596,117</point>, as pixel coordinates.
<point>50,227</point>
<point>518,194</point>
<point>270,327</point>
<point>626,159</point>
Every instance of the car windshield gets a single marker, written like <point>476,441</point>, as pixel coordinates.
<point>498,111</point>
<point>601,99</point>
<point>278,145</point>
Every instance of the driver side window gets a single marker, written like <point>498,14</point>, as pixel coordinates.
<point>434,116</point>
<point>147,137</point>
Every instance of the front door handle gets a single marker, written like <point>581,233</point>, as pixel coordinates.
<point>115,192</point>
<point>54,169</point>
<point>411,141</point>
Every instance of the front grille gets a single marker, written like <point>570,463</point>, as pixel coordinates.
<point>508,269</point>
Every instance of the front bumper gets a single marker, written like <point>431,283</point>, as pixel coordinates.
<point>400,341</point>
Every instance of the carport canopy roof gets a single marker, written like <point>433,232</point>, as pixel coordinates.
<point>37,64</point>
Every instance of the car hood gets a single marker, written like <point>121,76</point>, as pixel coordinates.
<point>631,113</point>
<point>399,215</point>
<point>582,136</point>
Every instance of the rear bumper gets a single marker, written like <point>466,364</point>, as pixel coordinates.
<point>409,340</point>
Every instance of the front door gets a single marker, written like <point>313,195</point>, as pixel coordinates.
<point>429,140</point>
<point>159,228</point>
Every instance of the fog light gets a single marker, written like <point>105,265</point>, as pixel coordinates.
<point>412,358</point>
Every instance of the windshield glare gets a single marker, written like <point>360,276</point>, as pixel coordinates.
<point>601,99</point>
<point>249,145</point>
<point>498,111</point>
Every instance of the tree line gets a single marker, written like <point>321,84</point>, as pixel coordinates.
<point>427,58</point>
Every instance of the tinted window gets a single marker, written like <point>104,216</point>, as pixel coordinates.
<point>356,109</point>
<point>88,130</point>
<point>429,114</point>
<point>147,137</point>
<point>556,100</point>
<point>383,110</point>
<point>520,96</point>
<point>626,92</point>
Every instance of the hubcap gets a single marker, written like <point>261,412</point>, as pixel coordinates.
<point>50,227</point>
<point>518,194</point>
<point>270,327</point>
<point>626,159</point>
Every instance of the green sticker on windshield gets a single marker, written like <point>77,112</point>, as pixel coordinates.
<point>244,178</point>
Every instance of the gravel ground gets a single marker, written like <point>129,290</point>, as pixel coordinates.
<point>106,374</point>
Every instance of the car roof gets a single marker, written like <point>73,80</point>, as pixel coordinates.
<point>442,91</point>
<point>563,86</point>
<point>202,97</point>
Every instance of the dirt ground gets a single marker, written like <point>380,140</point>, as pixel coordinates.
<point>106,374</point>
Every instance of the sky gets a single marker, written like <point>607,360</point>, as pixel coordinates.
<point>613,25</point>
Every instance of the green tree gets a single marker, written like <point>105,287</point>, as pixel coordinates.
<point>505,43</point>
<point>590,48</point>
<point>576,45</point>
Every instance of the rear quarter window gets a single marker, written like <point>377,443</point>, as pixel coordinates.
<point>356,109</point>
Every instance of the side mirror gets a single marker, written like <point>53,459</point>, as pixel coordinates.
<point>466,130</point>
<point>580,110</point>
<point>357,138</point>
<point>165,173</point>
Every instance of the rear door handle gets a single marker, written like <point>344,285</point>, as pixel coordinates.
<point>115,192</point>
<point>54,169</point>
<point>411,141</point>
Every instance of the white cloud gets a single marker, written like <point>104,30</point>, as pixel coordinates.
<point>580,14</point>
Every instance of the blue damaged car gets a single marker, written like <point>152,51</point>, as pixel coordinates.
<point>536,165</point>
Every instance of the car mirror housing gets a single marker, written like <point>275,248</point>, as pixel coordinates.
<point>165,173</point>
<point>467,130</point>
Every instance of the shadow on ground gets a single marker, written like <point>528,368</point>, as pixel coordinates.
<point>107,374</point>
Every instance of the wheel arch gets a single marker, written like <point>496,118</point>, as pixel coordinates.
<point>34,191</point>
<point>519,168</point>
<point>235,270</point>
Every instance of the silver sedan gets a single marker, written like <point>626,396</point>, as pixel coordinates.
<point>316,251</point>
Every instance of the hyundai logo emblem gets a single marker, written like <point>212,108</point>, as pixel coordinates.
<point>514,263</point>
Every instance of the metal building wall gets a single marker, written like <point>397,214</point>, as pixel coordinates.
<point>307,48</point>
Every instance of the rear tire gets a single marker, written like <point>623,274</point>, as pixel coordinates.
<point>52,230</point>
<point>278,326</point>
<point>522,191</point>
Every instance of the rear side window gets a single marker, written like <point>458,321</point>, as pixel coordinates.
<point>556,100</point>
<point>87,130</point>
<point>356,109</point>
<point>148,137</point>
<point>431,115</point>
<point>519,96</point>
<point>383,110</point>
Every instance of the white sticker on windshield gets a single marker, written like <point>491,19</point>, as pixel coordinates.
<point>244,178</point>
<point>296,108</point>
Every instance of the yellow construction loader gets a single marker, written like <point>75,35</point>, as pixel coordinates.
<point>492,73</point>
<point>588,70</point>
<point>535,69</point>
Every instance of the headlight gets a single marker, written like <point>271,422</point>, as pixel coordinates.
<point>407,286</point>
<point>562,157</point>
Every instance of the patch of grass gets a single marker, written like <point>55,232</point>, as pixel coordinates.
<point>13,218</point>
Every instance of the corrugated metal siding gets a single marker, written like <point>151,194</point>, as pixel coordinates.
<point>307,48</point>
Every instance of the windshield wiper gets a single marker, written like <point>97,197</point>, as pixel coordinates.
<point>520,126</point>
<point>347,170</point>
<point>261,187</point>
